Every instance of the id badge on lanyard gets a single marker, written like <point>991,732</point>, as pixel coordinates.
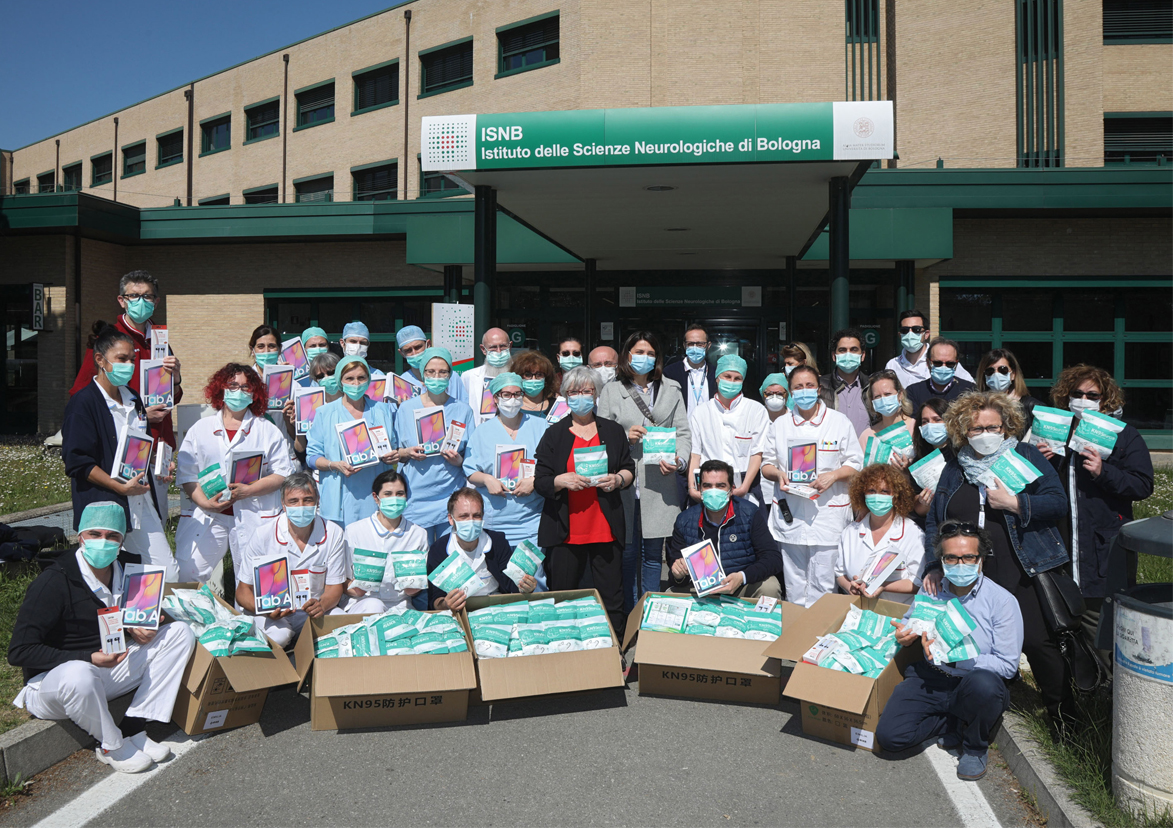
<point>698,391</point>
<point>981,506</point>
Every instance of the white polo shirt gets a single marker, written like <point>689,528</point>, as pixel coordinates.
<point>913,372</point>
<point>370,533</point>
<point>733,434</point>
<point>835,444</point>
<point>856,548</point>
<point>325,550</point>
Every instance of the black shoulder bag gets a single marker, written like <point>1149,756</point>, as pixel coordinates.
<point>1062,606</point>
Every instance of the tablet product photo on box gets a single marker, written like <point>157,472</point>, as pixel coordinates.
<point>558,410</point>
<point>306,405</point>
<point>142,595</point>
<point>508,465</point>
<point>279,384</point>
<point>704,566</point>
<point>156,384</point>
<point>293,354</point>
<point>377,390</point>
<point>163,455</point>
<point>400,389</point>
<point>245,467</point>
<point>357,448</point>
<point>430,429</point>
<point>271,586</point>
<point>133,456</point>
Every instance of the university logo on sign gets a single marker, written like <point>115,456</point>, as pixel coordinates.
<point>863,127</point>
<point>450,143</point>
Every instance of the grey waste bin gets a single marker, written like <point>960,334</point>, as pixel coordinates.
<point>1142,686</point>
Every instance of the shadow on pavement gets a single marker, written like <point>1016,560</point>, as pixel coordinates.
<point>555,705</point>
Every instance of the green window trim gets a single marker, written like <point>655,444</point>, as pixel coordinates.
<point>460,82</point>
<point>108,176</point>
<point>213,152</point>
<point>132,158</point>
<point>1138,138</point>
<point>458,42</point>
<point>314,124</point>
<point>252,190</point>
<point>358,79</point>
<point>374,164</point>
<point>388,192</point>
<point>544,37</point>
<point>159,135</point>
<point>255,110</point>
<point>375,67</point>
<point>67,172</point>
<point>169,163</point>
<point>1127,22</point>
<point>527,21</point>
<point>273,188</point>
<point>328,194</point>
<point>312,101</point>
<point>312,86</point>
<point>16,186</point>
<point>1039,83</point>
<point>208,126</point>
<point>209,201</point>
<point>160,141</point>
<point>307,178</point>
<point>364,111</point>
<point>52,176</point>
<point>216,117</point>
<point>423,95</point>
<point>523,69</point>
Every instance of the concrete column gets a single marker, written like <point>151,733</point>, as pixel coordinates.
<point>839,206</point>
<point>484,259</point>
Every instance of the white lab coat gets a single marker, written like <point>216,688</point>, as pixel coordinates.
<point>733,434</point>
<point>369,533</point>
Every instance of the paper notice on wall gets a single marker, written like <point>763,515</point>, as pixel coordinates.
<point>453,328</point>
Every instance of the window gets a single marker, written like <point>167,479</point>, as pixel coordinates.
<point>1039,82</point>
<point>71,177</point>
<point>170,148</point>
<point>1138,21</point>
<point>318,188</point>
<point>315,105</point>
<point>863,20</point>
<point>263,120</point>
<point>375,182</point>
<point>101,169</point>
<point>216,201</point>
<point>438,185</point>
<point>261,195</point>
<point>1138,138</point>
<point>527,45</point>
<point>134,159</point>
<point>216,134</point>
<point>863,63</point>
<point>375,88</point>
<point>446,68</point>
<point>21,187</point>
<point>45,183</point>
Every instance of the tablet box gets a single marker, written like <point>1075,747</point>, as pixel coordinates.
<point>839,707</point>
<point>542,675</point>
<point>381,691</point>
<point>220,693</point>
<point>705,667</point>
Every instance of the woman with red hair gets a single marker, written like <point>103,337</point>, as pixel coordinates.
<point>252,459</point>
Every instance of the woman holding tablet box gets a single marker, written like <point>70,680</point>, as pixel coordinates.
<point>96,419</point>
<point>265,349</point>
<point>346,488</point>
<point>387,530</point>
<point>218,523</point>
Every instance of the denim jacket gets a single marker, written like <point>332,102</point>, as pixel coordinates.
<point>1034,532</point>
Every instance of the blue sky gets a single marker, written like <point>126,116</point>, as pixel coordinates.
<point>68,62</point>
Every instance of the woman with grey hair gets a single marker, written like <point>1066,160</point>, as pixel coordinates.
<point>582,519</point>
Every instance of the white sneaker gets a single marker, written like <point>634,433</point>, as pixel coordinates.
<point>150,747</point>
<point>127,759</point>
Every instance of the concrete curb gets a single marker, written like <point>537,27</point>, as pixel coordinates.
<point>1034,772</point>
<point>40,511</point>
<point>39,745</point>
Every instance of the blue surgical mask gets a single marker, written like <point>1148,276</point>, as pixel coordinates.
<point>301,515</point>
<point>120,373</point>
<point>317,350</point>
<point>942,375</point>
<point>417,361</point>
<point>911,342</point>
<point>497,359</point>
<point>886,406</point>
<point>805,398</point>
<point>392,506</point>
<point>140,310</point>
<point>999,382</point>
<point>436,385</point>
<point>468,530</point>
<point>961,575</point>
<point>569,363</point>
<point>356,392</point>
<point>878,504</point>
<point>695,353</point>
<point>728,389</point>
<point>99,552</point>
<point>269,358</point>
<point>581,404</point>
<point>715,500</point>
<point>642,363</point>
<point>935,434</point>
<point>237,400</point>
<point>848,362</point>
<point>533,387</point>
<point>329,384</point>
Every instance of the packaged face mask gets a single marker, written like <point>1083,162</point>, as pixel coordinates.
<point>360,641</point>
<point>525,560</point>
<point>410,569</point>
<point>924,614</point>
<point>927,471</point>
<point>539,612</point>
<point>455,642</point>
<point>429,643</point>
<point>1098,431</point>
<point>871,625</point>
<point>211,481</point>
<point>666,614</point>
<point>954,624</point>
<point>534,640</point>
<point>1012,472</point>
<point>1052,426</point>
<point>217,640</point>
<point>514,613</point>
<point>703,615</point>
<point>731,627</point>
<point>853,640</point>
<point>369,566</point>
<point>190,606</point>
<point>870,662</point>
<point>898,438</point>
<point>659,444</point>
<point>849,662</point>
<point>762,627</point>
<point>699,629</point>
<point>390,628</point>
<point>564,638</point>
<point>491,640</point>
<point>455,573</point>
<point>595,636</point>
<point>876,451</point>
<point>942,653</point>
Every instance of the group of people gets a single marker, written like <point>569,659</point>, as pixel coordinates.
<point>779,486</point>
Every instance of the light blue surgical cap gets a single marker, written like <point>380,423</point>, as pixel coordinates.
<point>104,514</point>
<point>350,360</point>
<point>412,333</point>
<point>503,381</point>
<point>776,378</point>
<point>731,362</point>
<point>433,352</point>
<point>310,333</point>
<point>356,328</point>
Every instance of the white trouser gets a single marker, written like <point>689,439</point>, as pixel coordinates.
<point>809,571</point>
<point>283,630</point>
<point>200,543</point>
<point>79,691</point>
<point>146,537</point>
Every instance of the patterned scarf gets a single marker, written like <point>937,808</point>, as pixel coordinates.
<point>974,466</point>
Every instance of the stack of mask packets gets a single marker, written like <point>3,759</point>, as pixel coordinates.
<point>720,616</point>
<point>522,628</point>
<point>948,624</point>
<point>864,644</point>
<point>399,631</point>
<point>222,632</point>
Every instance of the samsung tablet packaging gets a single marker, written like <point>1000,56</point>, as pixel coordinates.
<point>693,663</point>
<point>381,690</point>
<point>838,705</point>
<point>220,693</point>
<point>548,669</point>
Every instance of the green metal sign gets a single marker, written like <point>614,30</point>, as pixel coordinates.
<point>751,133</point>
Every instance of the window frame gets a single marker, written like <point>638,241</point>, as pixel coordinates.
<point>160,163</point>
<point>209,124</point>
<point>1126,159</point>
<point>249,127</point>
<point>502,72</point>
<point>52,173</point>
<point>24,182</point>
<point>444,192</point>
<point>307,179</point>
<point>265,187</point>
<point>356,77</point>
<point>430,52</point>
<point>222,200</point>
<point>1129,39</point>
<point>65,168</point>
<point>126,148</point>
<point>298,123</point>
<point>94,182</point>
<point>394,190</point>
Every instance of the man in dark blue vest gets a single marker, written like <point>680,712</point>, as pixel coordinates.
<point>737,528</point>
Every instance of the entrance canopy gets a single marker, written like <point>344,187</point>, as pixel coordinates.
<point>699,187</point>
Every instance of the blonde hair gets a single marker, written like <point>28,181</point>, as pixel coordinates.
<point>961,414</point>
<point>905,409</point>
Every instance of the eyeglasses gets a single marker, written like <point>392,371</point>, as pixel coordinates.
<point>953,560</point>
<point>916,329</point>
<point>944,363</point>
<point>701,343</point>
<point>496,349</point>
<point>1094,396</point>
<point>438,373</point>
<point>1001,369</point>
<point>570,352</point>
<point>775,396</point>
<point>509,395</point>
<point>150,297</point>
<point>583,393</point>
<point>529,375</point>
<point>605,364</point>
<point>236,386</point>
<point>990,429</point>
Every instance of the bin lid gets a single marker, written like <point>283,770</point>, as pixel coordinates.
<point>1152,536</point>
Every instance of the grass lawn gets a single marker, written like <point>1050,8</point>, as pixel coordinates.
<point>30,477</point>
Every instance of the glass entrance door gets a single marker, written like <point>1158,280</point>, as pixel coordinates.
<point>743,339</point>
<point>18,391</point>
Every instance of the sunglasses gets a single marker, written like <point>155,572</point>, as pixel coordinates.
<point>1001,369</point>
<point>958,527</point>
<point>944,363</point>
<point>1094,396</point>
<point>570,353</point>
<point>916,329</point>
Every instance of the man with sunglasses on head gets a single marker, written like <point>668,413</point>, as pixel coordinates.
<point>943,381</point>
<point>912,363</point>
<point>958,702</point>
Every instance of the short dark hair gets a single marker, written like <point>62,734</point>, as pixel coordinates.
<point>389,476</point>
<point>462,493</point>
<point>108,337</point>
<point>953,528</point>
<point>263,330</point>
<point>717,466</point>
<point>846,333</point>
<point>138,277</point>
<point>802,369</point>
<point>624,370</point>
<point>940,340</point>
<point>915,313</point>
<point>696,326</point>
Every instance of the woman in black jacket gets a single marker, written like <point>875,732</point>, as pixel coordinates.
<point>582,517</point>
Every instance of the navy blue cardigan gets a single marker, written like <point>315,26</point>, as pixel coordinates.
<point>89,439</point>
<point>496,559</point>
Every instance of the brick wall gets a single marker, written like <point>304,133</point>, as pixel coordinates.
<point>1138,78</point>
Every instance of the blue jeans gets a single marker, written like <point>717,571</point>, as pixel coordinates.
<point>641,564</point>
<point>928,704</point>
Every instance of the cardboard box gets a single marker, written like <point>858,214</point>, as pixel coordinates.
<point>705,667</point>
<point>542,675</point>
<point>839,707</point>
<point>381,691</point>
<point>229,691</point>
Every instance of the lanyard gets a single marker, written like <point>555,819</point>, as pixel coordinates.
<point>981,506</point>
<point>698,390</point>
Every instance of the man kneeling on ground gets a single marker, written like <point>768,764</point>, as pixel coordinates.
<point>739,532</point>
<point>958,702</point>
<point>57,642</point>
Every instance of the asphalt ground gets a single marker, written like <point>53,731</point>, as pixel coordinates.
<point>604,758</point>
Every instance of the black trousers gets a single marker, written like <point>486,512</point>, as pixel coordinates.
<point>929,703</point>
<point>566,563</point>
